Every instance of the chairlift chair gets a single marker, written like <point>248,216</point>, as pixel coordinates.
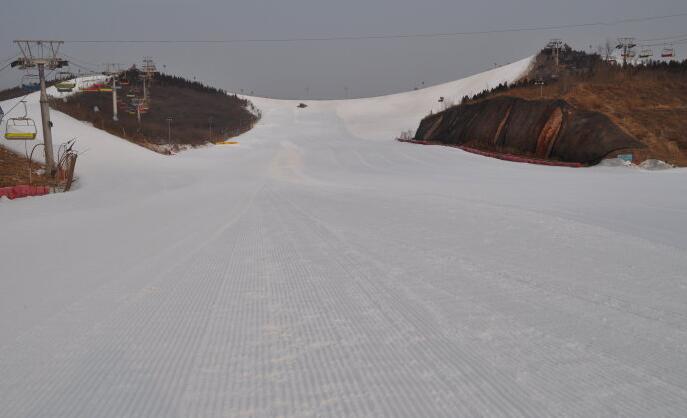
<point>646,53</point>
<point>30,83</point>
<point>97,88</point>
<point>124,79</point>
<point>64,75</point>
<point>21,128</point>
<point>67,83</point>
<point>668,53</point>
<point>93,88</point>
<point>65,86</point>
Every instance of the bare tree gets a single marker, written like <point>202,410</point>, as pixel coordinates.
<point>608,49</point>
<point>601,51</point>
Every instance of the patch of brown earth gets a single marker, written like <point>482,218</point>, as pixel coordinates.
<point>14,170</point>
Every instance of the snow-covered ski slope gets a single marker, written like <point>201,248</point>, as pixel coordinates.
<point>322,269</point>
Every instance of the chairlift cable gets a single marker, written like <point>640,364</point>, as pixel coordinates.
<point>6,63</point>
<point>75,61</point>
<point>389,36</point>
<point>5,66</point>
<point>9,59</point>
<point>666,39</point>
<point>17,104</point>
<point>90,70</point>
<point>24,97</point>
<point>675,42</point>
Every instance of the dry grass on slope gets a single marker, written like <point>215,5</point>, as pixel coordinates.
<point>649,104</point>
<point>14,170</point>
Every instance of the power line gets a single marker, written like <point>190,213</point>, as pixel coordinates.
<point>389,36</point>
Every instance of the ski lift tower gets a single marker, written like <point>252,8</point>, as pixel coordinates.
<point>556,45</point>
<point>627,46</point>
<point>149,71</point>
<point>113,69</point>
<point>42,54</point>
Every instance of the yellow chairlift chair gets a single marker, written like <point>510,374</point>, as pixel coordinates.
<point>21,128</point>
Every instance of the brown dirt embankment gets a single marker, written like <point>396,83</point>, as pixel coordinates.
<point>647,102</point>
<point>14,170</point>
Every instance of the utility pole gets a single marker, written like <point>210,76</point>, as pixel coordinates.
<point>626,45</point>
<point>137,102</point>
<point>112,69</point>
<point>114,98</point>
<point>169,129</point>
<point>145,89</point>
<point>210,120</point>
<point>540,83</point>
<point>42,54</point>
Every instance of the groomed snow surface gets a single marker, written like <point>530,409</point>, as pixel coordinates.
<point>322,269</point>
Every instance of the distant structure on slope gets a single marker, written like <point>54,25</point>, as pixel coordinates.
<point>626,47</point>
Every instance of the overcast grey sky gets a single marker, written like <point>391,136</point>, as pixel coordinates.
<point>323,69</point>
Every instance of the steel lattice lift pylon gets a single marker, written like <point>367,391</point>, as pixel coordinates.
<point>42,54</point>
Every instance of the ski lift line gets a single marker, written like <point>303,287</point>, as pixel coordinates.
<point>389,36</point>
<point>6,63</point>
<point>72,58</point>
<point>24,97</point>
<point>79,59</point>
<point>5,66</point>
<point>9,60</point>
<point>84,67</point>
<point>676,42</point>
<point>17,104</point>
<point>666,39</point>
<point>90,70</point>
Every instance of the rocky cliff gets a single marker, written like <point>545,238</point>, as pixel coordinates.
<point>547,129</point>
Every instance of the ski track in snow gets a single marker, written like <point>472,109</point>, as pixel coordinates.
<point>320,269</point>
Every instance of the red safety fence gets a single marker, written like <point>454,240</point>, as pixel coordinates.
<point>501,156</point>
<point>14,192</point>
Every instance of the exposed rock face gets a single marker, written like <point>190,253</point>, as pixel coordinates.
<point>550,129</point>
